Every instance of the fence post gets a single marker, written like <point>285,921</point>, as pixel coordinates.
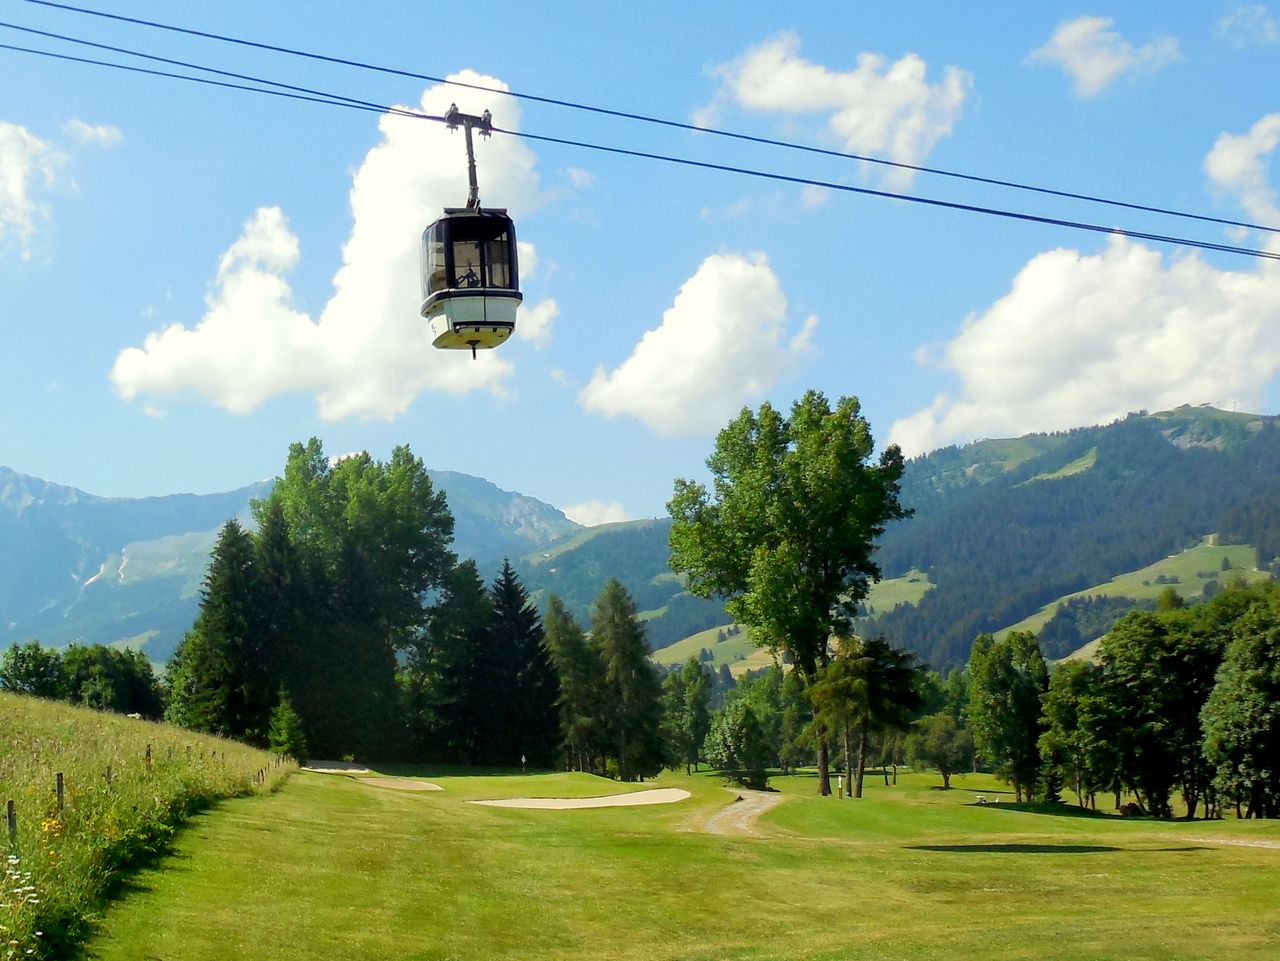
<point>12,817</point>
<point>148,758</point>
<point>107,774</point>
<point>61,794</point>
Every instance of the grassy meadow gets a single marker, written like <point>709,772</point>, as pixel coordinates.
<point>742,656</point>
<point>60,864</point>
<point>1186,572</point>
<point>328,867</point>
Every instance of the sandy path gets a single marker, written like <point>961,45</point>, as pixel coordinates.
<point>739,817</point>
<point>398,783</point>
<point>668,795</point>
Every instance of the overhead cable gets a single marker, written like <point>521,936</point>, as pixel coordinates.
<point>273,88</point>
<point>660,121</point>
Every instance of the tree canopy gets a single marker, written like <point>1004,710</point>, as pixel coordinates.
<point>787,531</point>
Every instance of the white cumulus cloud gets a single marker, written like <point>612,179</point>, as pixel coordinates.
<point>880,107</point>
<point>1249,24</point>
<point>1237,164</point>
<point>251,344</point>
<point>1096,56</point>
<point>723,343</point>
<point>593,513</point>
<point>1085,339</point>
<point>536,320</point>
<point>27,163</point>
<point>367,353</point>
<point>99,135</point>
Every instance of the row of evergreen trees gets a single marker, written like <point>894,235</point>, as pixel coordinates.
<point>346,616</point>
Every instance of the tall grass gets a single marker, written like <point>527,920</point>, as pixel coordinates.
<point>118,809</point>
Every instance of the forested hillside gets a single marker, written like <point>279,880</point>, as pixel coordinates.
<point>1001,528</point>
<point>999,550</point>
<point>635,553</point>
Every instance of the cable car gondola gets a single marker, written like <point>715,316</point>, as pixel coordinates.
<point>470,273</point>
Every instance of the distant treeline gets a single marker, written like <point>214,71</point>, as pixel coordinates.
<point>95,676</point>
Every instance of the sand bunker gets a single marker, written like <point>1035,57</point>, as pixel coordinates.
<point>398,783</point>
<point>668,795</point>
<point>335,767</point>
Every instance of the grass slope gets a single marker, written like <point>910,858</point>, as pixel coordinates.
<point>743,656</point>
<point>1078,466</point>
<point>329,868</point>
<point>61,864</point>
<point>576,540</point>
<point>1186,573</point>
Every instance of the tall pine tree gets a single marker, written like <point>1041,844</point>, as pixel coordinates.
<point>529,700</point>
<point>581,673</point>
<point>221,682</point>
<point>633,692</point>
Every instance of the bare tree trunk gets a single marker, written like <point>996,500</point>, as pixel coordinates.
<point>862,757</point>
<point>824,774</point>
<point>848,762</point>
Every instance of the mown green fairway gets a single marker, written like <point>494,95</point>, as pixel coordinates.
<point>330,868</point>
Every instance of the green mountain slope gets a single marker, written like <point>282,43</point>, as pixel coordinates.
<point>1004,531</point>
<point>1005,527</point>
<point>1000,548</point>
<point>634,552</point>
<point>1194,574</point>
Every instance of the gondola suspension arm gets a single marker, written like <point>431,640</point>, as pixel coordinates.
<point>454,118</point>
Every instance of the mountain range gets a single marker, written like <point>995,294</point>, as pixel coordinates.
<point>1003,530</point>
<point>77,568</point>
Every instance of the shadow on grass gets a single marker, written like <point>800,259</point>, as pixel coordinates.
<point>1038,849</point>
<point>1053,810</point>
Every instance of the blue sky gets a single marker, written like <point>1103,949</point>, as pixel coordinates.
<point>192,278</point>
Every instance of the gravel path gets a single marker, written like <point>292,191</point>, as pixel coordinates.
<point>740,816</point>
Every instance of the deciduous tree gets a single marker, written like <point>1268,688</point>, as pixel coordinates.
<point>787,532</point>
<point>1008,679</point>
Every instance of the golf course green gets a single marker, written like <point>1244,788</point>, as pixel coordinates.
<point>330,867</point>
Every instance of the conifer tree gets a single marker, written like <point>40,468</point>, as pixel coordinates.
<point>697,710</point>
<point>581,675</point>
<point>285,735</point>
<point>220,684</point>
<point>633,691</point>
<point>528,698</point>
<point>459,657</point>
